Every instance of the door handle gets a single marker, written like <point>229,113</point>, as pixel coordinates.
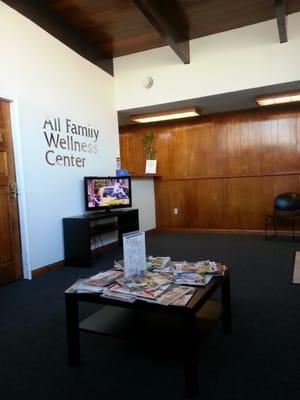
<point>13,190</point>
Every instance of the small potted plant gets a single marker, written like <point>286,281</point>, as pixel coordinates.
<point>149,152</point>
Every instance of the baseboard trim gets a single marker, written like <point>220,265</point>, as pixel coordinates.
<point>51,267</point>
<point>151,230</point>
<point>225,231</point>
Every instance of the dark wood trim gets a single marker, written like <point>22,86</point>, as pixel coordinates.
<point>151,230</point>
<point>262,175</point>
<point>145,176</point>
<point>212,231</point>
<point>280,12</point>
<point>259,232</point>
<point>47,19</point>
<point>51,267</point>
<point>169,21</point>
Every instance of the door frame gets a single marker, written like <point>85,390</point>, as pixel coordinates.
<point>18,161</point>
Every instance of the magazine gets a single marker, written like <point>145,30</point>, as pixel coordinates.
<point>150,280</point>
<point>211,267</point>
<point>190,278</point>
<point>184,299</point>
<point>173,293</point>
<point>140,293</point>
<point>157,263</point>
<point>80,287</point>
<point>201,267</point>
<point>103,278</point>
<point>118,296</point>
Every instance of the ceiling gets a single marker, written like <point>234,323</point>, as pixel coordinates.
<point>100,30</point>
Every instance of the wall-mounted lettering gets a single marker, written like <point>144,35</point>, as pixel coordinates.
<point>69,144</point>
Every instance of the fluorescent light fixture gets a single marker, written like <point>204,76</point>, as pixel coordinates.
<point>166,115</point>
<point>278,98</point>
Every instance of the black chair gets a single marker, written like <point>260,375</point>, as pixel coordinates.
<point>287,202</point>
<point>286,210</point>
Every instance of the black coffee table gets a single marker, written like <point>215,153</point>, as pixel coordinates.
<point>119,318</point>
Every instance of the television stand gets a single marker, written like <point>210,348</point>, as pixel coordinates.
<point>80,230</point>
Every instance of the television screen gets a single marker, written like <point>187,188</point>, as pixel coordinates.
<point>107,192</point>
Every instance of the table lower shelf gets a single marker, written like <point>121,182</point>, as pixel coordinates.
<point>133,324</point>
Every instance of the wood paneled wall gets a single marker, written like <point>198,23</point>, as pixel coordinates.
<point>221,171</point>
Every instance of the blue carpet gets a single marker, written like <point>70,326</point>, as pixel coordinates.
<point>260,360</point>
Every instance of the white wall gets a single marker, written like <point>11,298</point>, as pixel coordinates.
<point>235,60</point>
<point>144,200</point>
<point>44,79</point>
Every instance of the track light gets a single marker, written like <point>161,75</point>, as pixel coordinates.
<point>278,98</point>
<point>166,115</point>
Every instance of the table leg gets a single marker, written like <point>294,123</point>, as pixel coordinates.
<point>270,221</point>
<point>226,304</point>
<point>73,334</point>
<point>190,358</point>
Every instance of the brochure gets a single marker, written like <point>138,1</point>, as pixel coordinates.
<point>134,253</point>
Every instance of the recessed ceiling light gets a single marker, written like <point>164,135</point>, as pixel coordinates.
<point>166,115</point>
<point>279,98</point>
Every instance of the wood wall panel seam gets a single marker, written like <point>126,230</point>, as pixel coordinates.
<point>189,178</point>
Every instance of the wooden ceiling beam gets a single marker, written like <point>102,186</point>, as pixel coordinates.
<point>280,12</point>
<point>61,30</point>
<point>169,21</point>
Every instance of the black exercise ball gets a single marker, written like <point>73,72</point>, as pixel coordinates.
<point>288,201</point>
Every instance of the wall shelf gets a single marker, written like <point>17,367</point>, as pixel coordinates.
<point>145,176</point>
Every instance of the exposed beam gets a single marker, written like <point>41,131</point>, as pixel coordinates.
<point>55,25</point>
<point>281,17</point>
<point>169,21</point>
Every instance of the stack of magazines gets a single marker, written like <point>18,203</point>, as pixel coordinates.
<point>96,283</point>
<point>163,282</point>
<point>200,267</point>
<point>162,264</point>
<point>148,285</point>
<point>196,273</point>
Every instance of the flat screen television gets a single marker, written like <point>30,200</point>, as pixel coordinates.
<point>105,193</point>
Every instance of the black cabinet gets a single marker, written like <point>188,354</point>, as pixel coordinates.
<point>80,230</point>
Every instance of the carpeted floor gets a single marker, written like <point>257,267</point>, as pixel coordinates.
<point>260,360</point>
